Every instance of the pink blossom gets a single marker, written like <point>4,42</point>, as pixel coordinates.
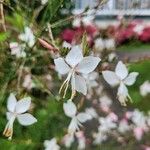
<point>138,133</point>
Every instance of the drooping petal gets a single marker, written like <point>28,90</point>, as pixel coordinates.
<point>130,80</point>
<point>121,70</point>
<point>123,94</point>
<point>74,56</point>
<point>23,105</point>
<point>111,78</point>
<point>26,119</point>
<point>11,102</point>
<point>70,108</point>
<point>83,117</point>
<point>122,90</point>
<point>73,126</point>
<point>80,84</point>
<point>61,66</point>
<point>88,64</point>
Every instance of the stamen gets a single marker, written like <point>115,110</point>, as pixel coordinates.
<point>8,131</point>
<point>65,84</point>
<point>73,94</point>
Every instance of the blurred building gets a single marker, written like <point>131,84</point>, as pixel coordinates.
<point>112,7</point>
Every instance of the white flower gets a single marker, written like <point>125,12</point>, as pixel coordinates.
<point>91,111</point>
<point>28,84</point>
<point>70,110</point>
<point>111,57</point>
<point>106,124</point>
<point>99,45</point>
<point>27,37</point>
<point>122,78</point>
<point>68,140</point>
<point>17,110</point>
<point>99,137</point>
<point>66,45</point>
<point>74,65</point>
<point>106,44</point>
<point>81,140</point>
<point>51,144</point>
<point>76,22</point>
<point>123,126</point>
<point>110,44</point>
<point>17,49</point>
<point>145,88</point>
<point>139,28</point>
<point>43,2</point>
<point>105,101</point>
<point>87,20</point>
<point>91,80</point>
<point>139,119</point>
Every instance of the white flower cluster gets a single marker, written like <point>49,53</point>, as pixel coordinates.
<point>82,78</point>
<point>79,69</point>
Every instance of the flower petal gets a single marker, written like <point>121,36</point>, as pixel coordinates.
<point>61,66</point>
<point>26,119</point>
<point>70,109</point>
<point>73,126</point>
<point>111,78</point>
<point>23,105</point>
<point>131,78</point>
<point>88,64</point>
<point>74,56</point>
<point>11,102</point>
<point>9,115</point>
<point>83,117</point>
<point>121,70</point>
<point>122,90</point>
<point>80,84</point>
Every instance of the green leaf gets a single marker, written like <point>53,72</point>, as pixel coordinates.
<point>51,9</point>
<point>85,46</point>
<point>16,20</point>
<point>4,36</point>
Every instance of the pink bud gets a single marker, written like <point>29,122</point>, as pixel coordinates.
<point>47,45</point>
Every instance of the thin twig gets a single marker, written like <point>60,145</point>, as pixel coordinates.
<point>51,35</point>
<point>2,21</point>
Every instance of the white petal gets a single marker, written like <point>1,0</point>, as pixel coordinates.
<point>66,45</point>
<point>9,115</point>
<point>131,78</point>
<point>80,84</point>
<point>23,105</point>
<point>61,66</point>
<point>74,125</point>
<point>121,70</point>
<point>26,119</point>
<point>70,109</point>
<point>83,117</point>
<point>11,102</point>
<point>111,78</point>
<point>74,56</point>
<point>123,94</point>
<point>88,64</point>
<point>122,90</point>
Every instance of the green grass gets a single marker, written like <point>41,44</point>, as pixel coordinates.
<point>134,46</point>
<point>143,68</point>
